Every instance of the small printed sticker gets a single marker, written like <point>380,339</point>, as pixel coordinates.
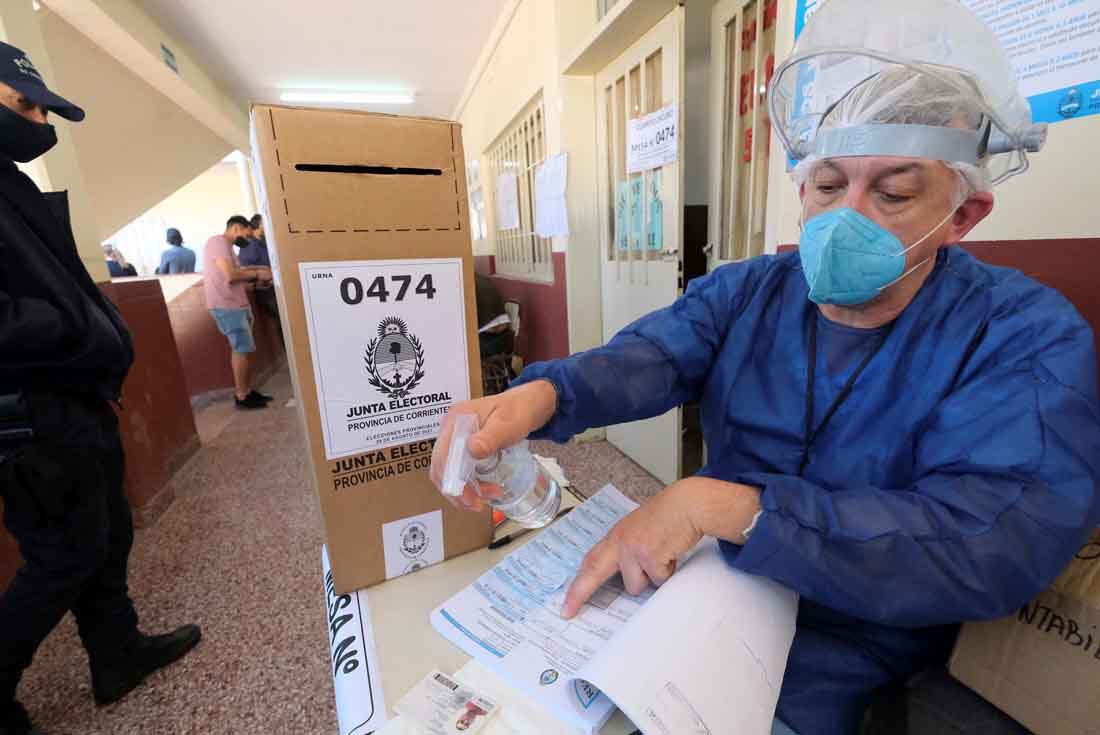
<point>548,677</point>
<point>410,544</point>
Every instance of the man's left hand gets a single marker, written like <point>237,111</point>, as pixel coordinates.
<point>646,544</point>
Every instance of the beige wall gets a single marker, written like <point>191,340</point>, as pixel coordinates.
<point>129,15</point>
<point>521,60</point>
<point>1058,197</point>
<point>59,169</point>
<point>136,146</point>
<point>198,210</point>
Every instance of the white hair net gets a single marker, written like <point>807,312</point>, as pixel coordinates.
<point>903,96</point>
<point>916,78</point>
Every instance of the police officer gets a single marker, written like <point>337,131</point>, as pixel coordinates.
<point>65,353</point>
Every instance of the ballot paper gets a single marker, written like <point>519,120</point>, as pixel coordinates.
<point>705,653</point>
<point>439,705</point>
<point>356,678</point>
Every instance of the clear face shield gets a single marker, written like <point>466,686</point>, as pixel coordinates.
<point>898,78</point>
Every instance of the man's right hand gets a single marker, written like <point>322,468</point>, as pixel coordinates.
<point>505,419</point>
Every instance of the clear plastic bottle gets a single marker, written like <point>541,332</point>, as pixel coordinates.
<point>530,496</point>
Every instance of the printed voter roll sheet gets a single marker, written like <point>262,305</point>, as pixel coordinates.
<point>353,659</point>
<point>672,665</point>
<point>682,667</point>
<point>509,618</point>
<point>388,343</point>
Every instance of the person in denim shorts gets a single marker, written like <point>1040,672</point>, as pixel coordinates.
<point>226,285</point>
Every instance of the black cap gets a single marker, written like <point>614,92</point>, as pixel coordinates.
<point>17,71</point>
<point>173,236</point>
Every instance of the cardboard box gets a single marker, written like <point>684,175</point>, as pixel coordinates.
<point>367,226</point>
<point>1042,665</point>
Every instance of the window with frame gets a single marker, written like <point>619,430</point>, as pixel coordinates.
<point>603,7</point>
<point>746,142</point>
<point>478,226</point>
<point>517,152</point>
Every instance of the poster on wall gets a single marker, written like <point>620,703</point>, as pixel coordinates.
<point>388,342</point>
<point>652,141</point>
<point>1054,45</point>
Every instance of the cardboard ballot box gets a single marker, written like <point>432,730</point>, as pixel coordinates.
<point>367,225</point>
<point>1042,665</point>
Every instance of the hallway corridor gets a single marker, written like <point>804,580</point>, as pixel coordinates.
<point>238,552</point>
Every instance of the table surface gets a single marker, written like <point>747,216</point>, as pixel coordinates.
<point>409,647</point>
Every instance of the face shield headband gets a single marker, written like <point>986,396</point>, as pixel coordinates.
<point>903,140</point>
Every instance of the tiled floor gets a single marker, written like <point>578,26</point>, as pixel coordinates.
<point>238,553</point>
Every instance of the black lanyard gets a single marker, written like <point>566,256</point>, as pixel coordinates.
<point>810,434</point>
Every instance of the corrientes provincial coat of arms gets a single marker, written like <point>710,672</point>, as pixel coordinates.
<point>394,359</point>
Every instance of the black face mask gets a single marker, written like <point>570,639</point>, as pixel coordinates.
<point>24,140</point>
<point>241,242</point>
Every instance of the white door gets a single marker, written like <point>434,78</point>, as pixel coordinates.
<point>640,217</point>
<point>742,54</point>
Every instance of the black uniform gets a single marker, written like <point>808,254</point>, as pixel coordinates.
<point>66,350</point>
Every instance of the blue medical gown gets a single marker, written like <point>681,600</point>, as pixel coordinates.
<point>953,484</point>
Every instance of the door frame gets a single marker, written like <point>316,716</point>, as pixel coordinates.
<point>640,266</point>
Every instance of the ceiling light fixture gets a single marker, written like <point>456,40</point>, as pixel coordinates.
<point>348,98</point>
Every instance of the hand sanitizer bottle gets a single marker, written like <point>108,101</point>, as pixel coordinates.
<point>530,497</point>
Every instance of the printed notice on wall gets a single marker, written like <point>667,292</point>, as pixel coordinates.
<point>652,141</point>
<point>1054,46</point>
<point>388,342</point>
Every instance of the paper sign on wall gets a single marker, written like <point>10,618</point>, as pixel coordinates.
<point>637,218</point>
<point>652,141</point>
<point>622,197</point>
<point>1054,48</point>
<point>507,202</point>
<point>655,227</point>
<point>1053,45</point>
<point>551,215</point>
<point>389,351</point>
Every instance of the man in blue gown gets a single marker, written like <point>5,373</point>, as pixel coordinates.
<point>907,437</point>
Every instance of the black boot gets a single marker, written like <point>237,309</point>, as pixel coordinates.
<point>14,721</point>
<point>115,678</point>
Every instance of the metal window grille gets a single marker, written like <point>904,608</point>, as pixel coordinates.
<point>518,151</point>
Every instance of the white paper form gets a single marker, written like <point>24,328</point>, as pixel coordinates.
<point>509,618</point>
<point>507,202</point>
<point>703,655</point>
<point>706,655</point>
<point>551,214</point>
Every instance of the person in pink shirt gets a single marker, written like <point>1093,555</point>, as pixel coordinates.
<point>227,285</point>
